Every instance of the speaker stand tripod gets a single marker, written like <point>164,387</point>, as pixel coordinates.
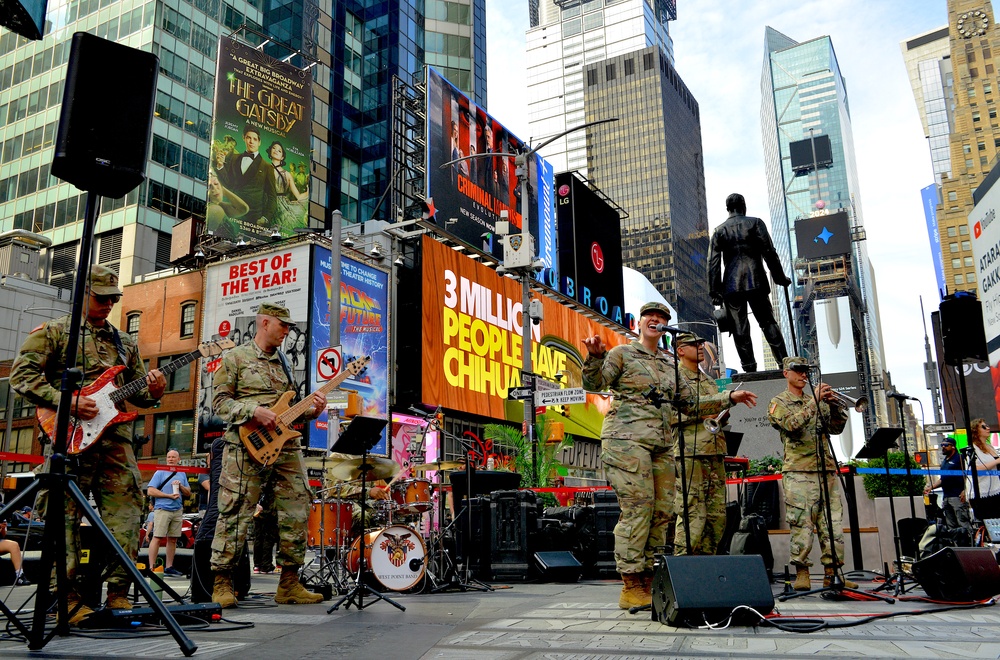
<point>61,486</point>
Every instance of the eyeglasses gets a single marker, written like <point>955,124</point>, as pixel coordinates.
<point>984,427</point>
<point>103,300</point>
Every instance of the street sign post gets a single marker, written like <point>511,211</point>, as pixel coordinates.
<point>561,397</point>
<point>946,427</point>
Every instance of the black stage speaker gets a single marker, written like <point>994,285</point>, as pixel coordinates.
<point>687,591</point>
<point>962,333</point>
<point>558,566</point>
<point>107,112</point>
<point>959,575</point>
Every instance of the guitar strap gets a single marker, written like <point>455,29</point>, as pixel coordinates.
<point>288,373</point>
<point>121,347</point>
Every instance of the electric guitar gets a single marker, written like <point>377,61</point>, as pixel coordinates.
<point>83,433</point>
<point>264,445</point>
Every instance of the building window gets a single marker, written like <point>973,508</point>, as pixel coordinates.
<point>956,263</point>
<point>132,325</point>
<point>959,279</point>
<point>609,71</point>
<point>953,247</point>
<point>179,380</point>
<point>187,319</point>
<point>966,245</point>
<point>173,431</point>
<point>629,67</point>
<point>591,77</point>
<point>975,116</point>
<point>963,230</point>
<point>968,262</point>
<point>952,197</point>
<point>970,278</point>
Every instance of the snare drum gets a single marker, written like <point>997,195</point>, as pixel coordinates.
<point>336,517</point>
<point>394,556</point>
<point>412,496</point>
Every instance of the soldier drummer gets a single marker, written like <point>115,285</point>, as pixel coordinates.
<point>637,446</point>
<point>250,380</point>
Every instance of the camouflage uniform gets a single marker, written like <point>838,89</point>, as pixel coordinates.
<point>107,469</point>
<point>637,447</point>
<point>248,378</point>
<point>795,418</point>
<point>705,470</point>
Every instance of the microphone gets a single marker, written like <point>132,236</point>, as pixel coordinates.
<point>660,327</point>
<point>899,395</point>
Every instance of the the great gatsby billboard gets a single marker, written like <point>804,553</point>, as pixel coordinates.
<point>469,196</point>
<point>258,181</point>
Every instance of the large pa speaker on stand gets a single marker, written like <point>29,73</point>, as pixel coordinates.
<point>107,113</point>
<point>962,332</point>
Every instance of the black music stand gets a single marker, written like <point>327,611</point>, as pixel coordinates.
<point>361,435</point>
<point>878,446</point>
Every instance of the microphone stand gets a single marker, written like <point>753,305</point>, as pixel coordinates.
<point>675,403</point>
<point>837,585</point>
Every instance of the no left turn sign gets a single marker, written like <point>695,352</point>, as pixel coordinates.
<point>328,363</point>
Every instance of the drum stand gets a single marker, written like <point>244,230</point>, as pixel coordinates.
<point>328,568</point>
<point>348,443</point>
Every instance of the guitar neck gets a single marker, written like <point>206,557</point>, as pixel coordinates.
<point>137,385</point>
<point>305,404</point>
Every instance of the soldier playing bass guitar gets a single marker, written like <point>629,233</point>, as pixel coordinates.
<point>108,469</point>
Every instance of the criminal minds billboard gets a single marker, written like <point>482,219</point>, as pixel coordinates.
<point>258,180</point>
<point>475,192</point>
<point>472,346</point>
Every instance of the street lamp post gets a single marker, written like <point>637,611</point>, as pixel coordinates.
<point>522,171</point>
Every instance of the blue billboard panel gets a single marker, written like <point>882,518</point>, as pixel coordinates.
<point>929,197</point>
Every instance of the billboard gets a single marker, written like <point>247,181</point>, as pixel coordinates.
<point>364,330</point>
<point>258,179</point>
<point>929,198</point>
<point>590,248</point>
<point>233,292</point>
<point>469,196</point>
<point>823,236</point>
<point>471,356</point>
<point>985,232</point>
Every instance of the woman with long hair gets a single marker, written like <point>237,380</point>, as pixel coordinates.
<point>987,505</point>
<point>291,212</point>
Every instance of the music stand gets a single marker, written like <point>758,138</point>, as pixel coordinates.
<point>362,434</point>
<point>878,446</point>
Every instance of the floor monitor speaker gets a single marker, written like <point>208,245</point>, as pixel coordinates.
<point>959,574</point>
<point>693,590</point>
<point>107,113</point>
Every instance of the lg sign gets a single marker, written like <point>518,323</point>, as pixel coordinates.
<point>597,257</point>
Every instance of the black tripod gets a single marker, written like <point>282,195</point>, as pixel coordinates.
<point>61,485</point>
<point>362,434</point>
<point>823,451</point>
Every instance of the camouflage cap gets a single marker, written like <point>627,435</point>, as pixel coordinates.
<point>104,281</point>
<point>277,311</point>
<point>655,307</point>
<point>685,338</point>
<point>795,363</point>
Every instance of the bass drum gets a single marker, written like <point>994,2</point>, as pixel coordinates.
<point>395,556</point>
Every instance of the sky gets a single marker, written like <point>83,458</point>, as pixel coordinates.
<point>719,52</point>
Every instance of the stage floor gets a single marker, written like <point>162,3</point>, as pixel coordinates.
<point>521,621</point>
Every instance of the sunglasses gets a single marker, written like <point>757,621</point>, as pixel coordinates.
<point>103,300</point>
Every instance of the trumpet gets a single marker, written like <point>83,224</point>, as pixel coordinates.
<point>843,401</point>
<point>714,424</point>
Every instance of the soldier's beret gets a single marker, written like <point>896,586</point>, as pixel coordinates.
<point>277,311</point>
<point>655,307</point>
<point>104,281</point>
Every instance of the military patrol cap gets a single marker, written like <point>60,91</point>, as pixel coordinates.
<point>686,338</point>
<point>104,281</point>
<point>277,311</point>
<point>795,363</point>
<point>654,307</point>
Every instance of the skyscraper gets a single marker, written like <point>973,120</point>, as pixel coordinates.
<point>803,96</point>
<point>563,38</point>
<point>975,138</point>
<point>650,163</point>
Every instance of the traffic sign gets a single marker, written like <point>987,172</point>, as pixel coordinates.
<point>337,400</point>
<point>946,427</point>
<point>519,393</point>
<point>561,397</point>
<point>542,385</point>
<point>328,363</point>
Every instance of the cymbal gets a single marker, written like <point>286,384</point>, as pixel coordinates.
<point>347,469</point>
<point>439,465</point>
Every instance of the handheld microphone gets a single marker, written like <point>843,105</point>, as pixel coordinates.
<point>660,327</point>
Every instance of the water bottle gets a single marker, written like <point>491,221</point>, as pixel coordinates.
<point>490,463</point>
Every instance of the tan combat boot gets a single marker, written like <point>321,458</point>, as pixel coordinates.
<point>78,610</point>
<point>828,579</point>
<point>222,592</point>
<point>290,590</point>
<point>801,579</point>
<point>118,597</point>
<point>633,594</point>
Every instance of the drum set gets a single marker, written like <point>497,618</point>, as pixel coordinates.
<point>403,537</point>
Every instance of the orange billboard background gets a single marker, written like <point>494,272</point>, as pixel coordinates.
<point>471,323</point>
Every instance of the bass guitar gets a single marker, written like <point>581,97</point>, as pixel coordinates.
<point>263,444</point>
<point>83,433</point>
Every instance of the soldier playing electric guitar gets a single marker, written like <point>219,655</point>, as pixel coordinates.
<point>108,469</point>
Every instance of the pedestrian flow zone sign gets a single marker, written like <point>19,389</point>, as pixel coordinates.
<point>561,397</point>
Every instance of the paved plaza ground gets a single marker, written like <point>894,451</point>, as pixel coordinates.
<point>534,621</point>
